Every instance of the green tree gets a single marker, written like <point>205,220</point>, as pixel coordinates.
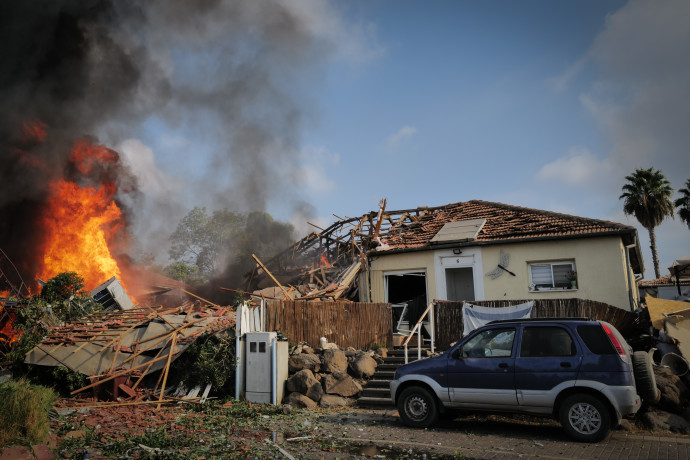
<point>683,203</point>
<point>66,295</point>
<point>221,244</point>
<point>63,286</point>
<point>200,238</point>
<point>183,272</point>
<point>647,196</point>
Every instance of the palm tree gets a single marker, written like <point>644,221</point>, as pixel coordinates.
<point>648,197</point>
<point>683,203</point>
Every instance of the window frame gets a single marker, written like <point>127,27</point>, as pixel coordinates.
<point>533,287</point>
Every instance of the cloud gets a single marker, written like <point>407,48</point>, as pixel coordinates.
<point>561,82</point>
<point>403,135</point>
<point>313,171</point>
<point>579,167</point>
<point>640,92</point>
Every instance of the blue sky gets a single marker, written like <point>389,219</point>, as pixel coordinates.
<point>540,104</point>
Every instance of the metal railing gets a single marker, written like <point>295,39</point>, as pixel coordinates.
<point>418,328</point>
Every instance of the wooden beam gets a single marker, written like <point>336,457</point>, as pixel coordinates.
<point>285,292</point>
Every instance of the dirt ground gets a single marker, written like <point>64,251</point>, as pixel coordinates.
<point>242,430</point>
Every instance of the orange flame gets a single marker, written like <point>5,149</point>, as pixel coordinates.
<point>81,221</point>
<point>8,334</point>
<point>34,130</point>
<point>324,261</point>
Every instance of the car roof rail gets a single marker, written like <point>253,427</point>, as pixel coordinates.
<point>536,320</point>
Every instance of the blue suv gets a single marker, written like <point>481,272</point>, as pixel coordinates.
<point>581,372</point>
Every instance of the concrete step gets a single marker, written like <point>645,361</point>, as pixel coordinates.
<point>411,353</point>
<point>383,375</point>
<point>376,392</point>
<point>378,383</point>
<point>400,360</point>
<point>377,402</point>
<point>388,366</point>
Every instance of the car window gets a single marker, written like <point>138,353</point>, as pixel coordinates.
<point>596,340</point>
<point>546,341</point>
<point>491,343</point>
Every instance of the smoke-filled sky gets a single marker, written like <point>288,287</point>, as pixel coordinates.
<point>311,108</point>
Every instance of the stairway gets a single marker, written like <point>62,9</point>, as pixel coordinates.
<point>377,392</point>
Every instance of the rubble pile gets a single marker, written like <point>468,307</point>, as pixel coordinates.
<point>326,263</point>
<point>123,346</point>
<point>328,376</point>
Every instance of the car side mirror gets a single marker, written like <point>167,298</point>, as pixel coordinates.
<point>456,354</point>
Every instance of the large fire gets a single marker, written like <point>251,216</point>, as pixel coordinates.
<point>8,334</point>
<point>81,221</point>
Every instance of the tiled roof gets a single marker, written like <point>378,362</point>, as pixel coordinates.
<point>503,222</point>
<point>663,281</point>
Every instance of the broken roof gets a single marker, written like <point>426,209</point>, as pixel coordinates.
<point>320,258</point>
<point>504,223</point>
<point>139,339</point>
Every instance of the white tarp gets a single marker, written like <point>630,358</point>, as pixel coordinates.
<point>474,316</point>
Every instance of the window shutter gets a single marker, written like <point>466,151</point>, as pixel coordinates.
<point>541,274</point>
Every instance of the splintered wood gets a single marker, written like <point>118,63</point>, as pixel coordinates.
<point>125,345</point>
<point>325,265</point>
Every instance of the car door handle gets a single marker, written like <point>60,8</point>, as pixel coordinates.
<point>503,365</point>
<point>565,364</point>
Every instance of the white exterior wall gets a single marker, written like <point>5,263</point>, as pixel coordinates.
<point>599,261</point>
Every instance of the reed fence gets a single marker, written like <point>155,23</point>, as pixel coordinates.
<point>348,324</point>
<point>449,323</point>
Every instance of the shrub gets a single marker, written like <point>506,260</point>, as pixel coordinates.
<point>209,359</point>
<point>24,408</point>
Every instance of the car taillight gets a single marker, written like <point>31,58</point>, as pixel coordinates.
<point>614,340</point>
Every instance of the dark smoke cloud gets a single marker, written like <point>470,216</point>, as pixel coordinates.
<point>235,73</point>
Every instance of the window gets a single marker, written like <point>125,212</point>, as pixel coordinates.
<point>492,343</point>
<point>551,275</point>
<point>546,341</point>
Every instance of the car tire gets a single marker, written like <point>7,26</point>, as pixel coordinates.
<point>645,381</point>
<point>418,407</point>
<point>585,418</point>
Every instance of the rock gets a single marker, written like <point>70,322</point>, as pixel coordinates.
<point>343,386</point>
<point>674,393</point>
<point>307,349</point>
<point>382,352</point>
<point>302,381</point>
<point>315,392</point>
<point>299,400</point>
<point>333,360</point>
<point>657,420</point>
<point>332,401</point>
<point>304,361</point>
<point>296,350</point>
<point>325,345</point>
<point>363,366</point>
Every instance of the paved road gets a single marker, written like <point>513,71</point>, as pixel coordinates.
<point>484,437</point>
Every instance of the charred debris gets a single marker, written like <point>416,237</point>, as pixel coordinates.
<point>327,263</point>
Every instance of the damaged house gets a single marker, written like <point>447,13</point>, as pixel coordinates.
<point>473,250</point>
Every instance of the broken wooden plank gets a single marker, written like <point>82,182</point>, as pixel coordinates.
<point>272,277</point>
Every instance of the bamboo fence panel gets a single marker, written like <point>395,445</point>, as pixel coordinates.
<point>449,323</point>
<point>347,324</point>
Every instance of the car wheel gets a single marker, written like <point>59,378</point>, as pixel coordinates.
<point>417,407</point>
<point>645,381</point>
<point>585,418</point>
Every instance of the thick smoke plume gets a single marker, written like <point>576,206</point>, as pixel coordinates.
<point>233,73</point>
